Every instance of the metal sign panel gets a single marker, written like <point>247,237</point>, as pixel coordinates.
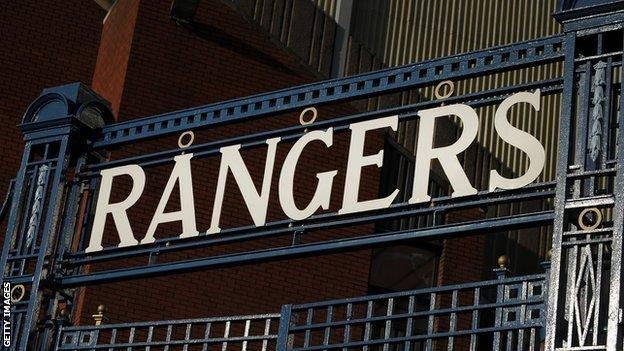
<point>257,201</point>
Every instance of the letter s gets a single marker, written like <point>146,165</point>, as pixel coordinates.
<point>520,139</point>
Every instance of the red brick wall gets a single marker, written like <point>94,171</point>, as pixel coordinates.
<point>144,64</point>
<point>43,43</point>
<point>114,52</point>
<point>462,258</point>
<point>169,67</point>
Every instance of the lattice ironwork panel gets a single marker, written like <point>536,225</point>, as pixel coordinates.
<point>255,332</point>
<point>502,314</point>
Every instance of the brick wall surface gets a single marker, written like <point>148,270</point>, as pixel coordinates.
<point>144,64</point>
<point>43,43</point>
<point>168,67</point>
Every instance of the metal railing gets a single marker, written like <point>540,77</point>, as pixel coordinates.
<point>256,332</point>
<point>506,313</point>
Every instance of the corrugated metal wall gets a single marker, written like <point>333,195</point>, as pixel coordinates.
<point>387,33</point>
<point>406,31</point>
<point>398,32</point>
<point>329,6</point>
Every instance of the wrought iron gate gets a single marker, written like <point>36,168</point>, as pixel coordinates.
<point>69,132</point>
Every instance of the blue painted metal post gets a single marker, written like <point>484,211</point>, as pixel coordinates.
<point>501,273</point>
<point>57,127</point>
<point>584,309</point>
<point>283,341</point>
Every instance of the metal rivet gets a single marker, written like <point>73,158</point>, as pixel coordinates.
<point>22,293</point>
<point>449,89</point>
<point>581,218</point>
<point>311,120</point>
<point>184,145</point>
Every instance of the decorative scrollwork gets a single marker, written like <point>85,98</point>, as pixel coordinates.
<point>35,211</point>
<point>597,116</point>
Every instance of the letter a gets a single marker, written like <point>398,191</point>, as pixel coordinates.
<point>181,173</point>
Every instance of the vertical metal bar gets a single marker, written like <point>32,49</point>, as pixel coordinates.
<point>614,331</point>
<point>284,327</point>
<point>522,318</point>
<point>367,325</point>
<point>452,322</point>
<point>552,319</point>
<point>498,314</point>
<point>532,339</point>
<point>571,284</point>
<point>226,335</point>
<point>509,342</point>
<point>388,326</point>
<point>328,320</point>
<point>114,338</point>
<point>206,336</point>
<point>168,338</point>
<point>347,328</point>
<point>267,330</point>
<point>596,293</point>
<point>409,324</point>
<point>131,339</point>
<point>580,129</point>
<point>150,335</point>
<point>245,335</point>
<point>431,323</point>
<point>475,318</point>
<point>309,318</point>
<point>187,336</point>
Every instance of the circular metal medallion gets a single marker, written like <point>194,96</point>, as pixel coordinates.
<point>444,89</point>
<point>21,292</point>
<point>191,138</point>
<point>304,121</point>
<point>596,221</point>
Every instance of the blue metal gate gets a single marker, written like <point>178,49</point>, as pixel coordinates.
<point>69,133</point>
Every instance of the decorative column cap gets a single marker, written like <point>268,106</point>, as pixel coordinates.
<point>71,104</point>
<point>568,10</point>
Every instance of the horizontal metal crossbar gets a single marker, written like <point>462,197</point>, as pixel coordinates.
<point>492,60</point>
<point>407,293</point>
<point>405,112</point>
<point>318,222</point>
<point>333,246</point>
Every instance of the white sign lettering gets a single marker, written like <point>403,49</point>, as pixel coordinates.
<point>257,201</point>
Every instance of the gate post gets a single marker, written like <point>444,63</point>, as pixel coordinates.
<point>584,294</point>
<point>58,127</point>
